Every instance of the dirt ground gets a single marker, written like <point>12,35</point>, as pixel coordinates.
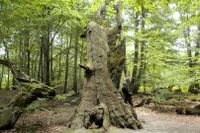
<point>52,116</point>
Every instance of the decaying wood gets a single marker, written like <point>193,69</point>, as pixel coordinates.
<point>100,14</point>
<point>98,87</point>
<point>17,73</point>
<point>117,46</point>
<point>116,62</point>
<point>101,104</point>
<point>188,110</point>
<point>32,90</point>
<point>144,101</point>
<point>98,117</point>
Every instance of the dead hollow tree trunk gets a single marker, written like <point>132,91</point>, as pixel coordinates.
<point>101,105</point>
<point>11,112</point>
<point>116,55</point>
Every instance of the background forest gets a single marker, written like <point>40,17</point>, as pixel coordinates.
<point>56,54</point>
<point>43,38</point>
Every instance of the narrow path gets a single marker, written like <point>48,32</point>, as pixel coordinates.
<point>155,122</point>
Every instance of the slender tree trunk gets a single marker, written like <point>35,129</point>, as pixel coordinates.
<point>28,61</point>
<point>32,70</point>
<point>80,70</point>
<point>41,64</point>
<point>192,88</point>
<point>46,55</point>
<point>59,67</point>
<point>26,53</point>
<point>52,70</point>
<point>21,52</point>
<point>46,65</point>
<point>75,87</point>
<point>60,61</point>
<point>36,68</point>
<point>196,85</point>
<point>67,63</point>
<point>7,57</point>
<point>136,51</point>
<point>142,54</point>
<point>2,73</point>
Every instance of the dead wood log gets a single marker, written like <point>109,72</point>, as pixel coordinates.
<point>32,90</point>
<point>188,110</point>
<point>144,101</point>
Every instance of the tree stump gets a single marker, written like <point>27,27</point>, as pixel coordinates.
<point>99,89</point>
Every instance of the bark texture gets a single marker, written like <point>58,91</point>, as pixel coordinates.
<point>117,53</point>
<point>116,59</point>
<point>99,90</point>
<point>34,89</point>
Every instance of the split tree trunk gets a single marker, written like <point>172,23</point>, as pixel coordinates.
<point>99,92</point>
<point>11,112</point>
<point>117,53</point>
<point>116,60</point>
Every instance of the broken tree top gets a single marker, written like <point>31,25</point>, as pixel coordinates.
<point>99,89</point>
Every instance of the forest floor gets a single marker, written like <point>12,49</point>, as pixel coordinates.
<point>51,116</point>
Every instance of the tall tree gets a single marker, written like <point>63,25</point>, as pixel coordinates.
<point>142,55</point>
<point>75,86</point>
<point>136,54</point>
<point>69,41</point>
